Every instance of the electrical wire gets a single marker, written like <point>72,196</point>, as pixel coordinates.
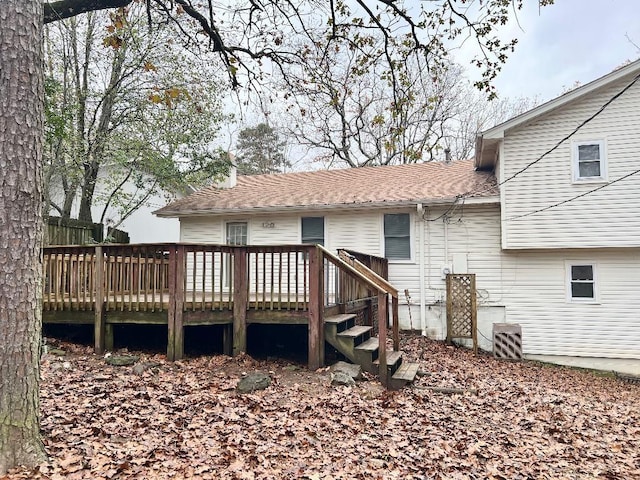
<point>563,202</point>
<point>575,130</point>
<point>559,143</point>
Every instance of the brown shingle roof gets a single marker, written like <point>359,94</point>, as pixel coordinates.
<point>369,186</point>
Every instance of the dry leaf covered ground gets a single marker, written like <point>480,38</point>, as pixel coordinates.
<point>185,420</point>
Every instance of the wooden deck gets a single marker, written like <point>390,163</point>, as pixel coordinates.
<point>182,285</point>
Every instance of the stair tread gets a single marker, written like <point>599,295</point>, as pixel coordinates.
<point>343,317</point>
<point>355,331</point>
<point>406,372</point>
<point>370,345</point>
<point>392,357</point>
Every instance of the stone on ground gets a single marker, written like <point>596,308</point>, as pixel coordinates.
<point>254,381</point>
<point>354,371</point>
<point>341,378</point>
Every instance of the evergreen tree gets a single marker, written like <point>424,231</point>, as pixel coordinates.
<point>260,150</point>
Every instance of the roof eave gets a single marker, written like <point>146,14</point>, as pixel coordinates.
<point>498,131</point>
<point>341,206</point>
<point>486,152</point>
<point>487,141</point>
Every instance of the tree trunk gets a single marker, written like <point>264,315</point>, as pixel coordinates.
<point>95,153</point>
<point>21,132</point>
<point>88,189</point>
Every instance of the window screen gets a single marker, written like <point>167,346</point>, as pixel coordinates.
<point>313,230</point>
<point>397,237</point>
<point>582,282</point>
<point>589,157</point>
<point>237,233</point>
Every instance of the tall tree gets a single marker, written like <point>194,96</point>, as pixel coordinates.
<point>245,37</point>
<point>21,112</point>
<point>260,150</point>
<point>351,119</point>
<point>126,104</point>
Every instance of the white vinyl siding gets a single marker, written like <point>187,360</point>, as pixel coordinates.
<point>577,219</point>
<point>202,230</point>
<point>552,325</point>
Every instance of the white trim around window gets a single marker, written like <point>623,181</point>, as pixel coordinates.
<point>582,281</point>
<point>589,161</point>
<point>237,234</point>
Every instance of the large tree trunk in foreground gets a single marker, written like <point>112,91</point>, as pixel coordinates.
<point>21,130</point>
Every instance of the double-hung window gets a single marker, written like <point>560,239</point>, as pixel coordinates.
<point>589,161</point>
<point>313,230</point>
<point>236,233</point>
<point>397,236</point>
<point>582,282</point>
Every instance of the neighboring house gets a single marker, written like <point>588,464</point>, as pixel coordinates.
<point>141,225</point>
<point>554,241</point>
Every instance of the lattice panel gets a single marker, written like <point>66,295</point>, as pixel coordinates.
<point>461,307</point>
<point>507,341</point>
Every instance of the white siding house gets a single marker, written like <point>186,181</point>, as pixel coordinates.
<point>547,216</point>
<point>569,179</point>
<point>433,232</point>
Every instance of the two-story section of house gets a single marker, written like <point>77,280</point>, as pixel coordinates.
<point>569,179</point>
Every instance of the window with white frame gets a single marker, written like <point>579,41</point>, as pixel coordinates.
<point>313,230</point>
<point>236,233</point>
<point>582,282</point>
<point>589,160</point>
<point>397,236</point>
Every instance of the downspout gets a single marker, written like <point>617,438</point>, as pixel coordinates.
<point>421,261</point>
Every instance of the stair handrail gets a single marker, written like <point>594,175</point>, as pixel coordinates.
<point>383,288</point>
<point>338,262</point>
<point>383,285</point>
<point>381,282</point>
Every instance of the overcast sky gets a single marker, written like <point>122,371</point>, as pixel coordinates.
<point>573,40</point>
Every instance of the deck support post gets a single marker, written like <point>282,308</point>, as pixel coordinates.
<point>316,304</point>
<point>382,338</point>
<point>227,339</point>
<point>240,300</point>
<point>175,337</point>
<point>178,337</point>
<point>108,337</point>
<point>396,324</point>
<point>98,305</point>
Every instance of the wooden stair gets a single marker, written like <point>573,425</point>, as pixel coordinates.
<point>356,343</point>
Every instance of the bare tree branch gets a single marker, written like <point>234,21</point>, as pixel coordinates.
<point>70,8</point>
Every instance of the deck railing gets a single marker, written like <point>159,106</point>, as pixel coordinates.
<point>177,279</point>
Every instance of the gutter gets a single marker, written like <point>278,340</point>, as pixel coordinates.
<point>489,200</point>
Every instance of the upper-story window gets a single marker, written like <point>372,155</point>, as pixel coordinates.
<point>397,236</point>
<point>589,161</point>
